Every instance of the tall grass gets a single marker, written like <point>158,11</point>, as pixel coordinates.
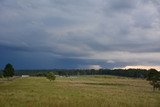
<point>84,91</point>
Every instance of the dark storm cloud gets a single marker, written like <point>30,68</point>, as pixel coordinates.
<point>98,30</point>
<point>118,5</point>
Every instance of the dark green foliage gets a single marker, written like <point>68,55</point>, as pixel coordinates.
<point>51,76</point>
<point>8,71</point>
<point>135,73</point>
<point>1,73</point>
<point>154,78</point>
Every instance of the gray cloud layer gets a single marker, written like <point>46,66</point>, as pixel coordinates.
<point>126,31</point>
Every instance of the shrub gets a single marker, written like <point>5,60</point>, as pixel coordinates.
<point>51,76</point>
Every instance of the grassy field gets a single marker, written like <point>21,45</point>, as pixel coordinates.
<point>83,91</point>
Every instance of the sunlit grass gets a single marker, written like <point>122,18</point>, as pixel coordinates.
<point>83,91</point>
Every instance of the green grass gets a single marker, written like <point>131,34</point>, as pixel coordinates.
<point>84,91</point>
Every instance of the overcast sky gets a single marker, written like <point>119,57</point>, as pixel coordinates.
<point>36,34</point>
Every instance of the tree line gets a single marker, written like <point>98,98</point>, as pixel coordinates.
<point>135,73</point>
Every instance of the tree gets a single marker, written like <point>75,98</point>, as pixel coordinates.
<point>8,71</point>
<point>154,78</point>
<point>50,76</point>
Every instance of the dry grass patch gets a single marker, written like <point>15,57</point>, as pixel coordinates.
<point>83,91</point>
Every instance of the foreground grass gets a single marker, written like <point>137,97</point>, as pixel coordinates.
<point>84,91</point>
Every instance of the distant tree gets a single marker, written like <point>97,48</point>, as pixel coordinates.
<point>51,76</point>
<point>154,78</point>
<point>8,71</point>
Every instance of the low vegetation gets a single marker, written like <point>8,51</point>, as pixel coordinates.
<point>78,91</point>
<point>50,76</point>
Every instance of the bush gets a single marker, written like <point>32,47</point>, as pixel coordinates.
<point>51,76</point>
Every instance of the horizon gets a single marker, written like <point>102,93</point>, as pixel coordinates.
<point>125,68</point>
<point>59,34</point>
